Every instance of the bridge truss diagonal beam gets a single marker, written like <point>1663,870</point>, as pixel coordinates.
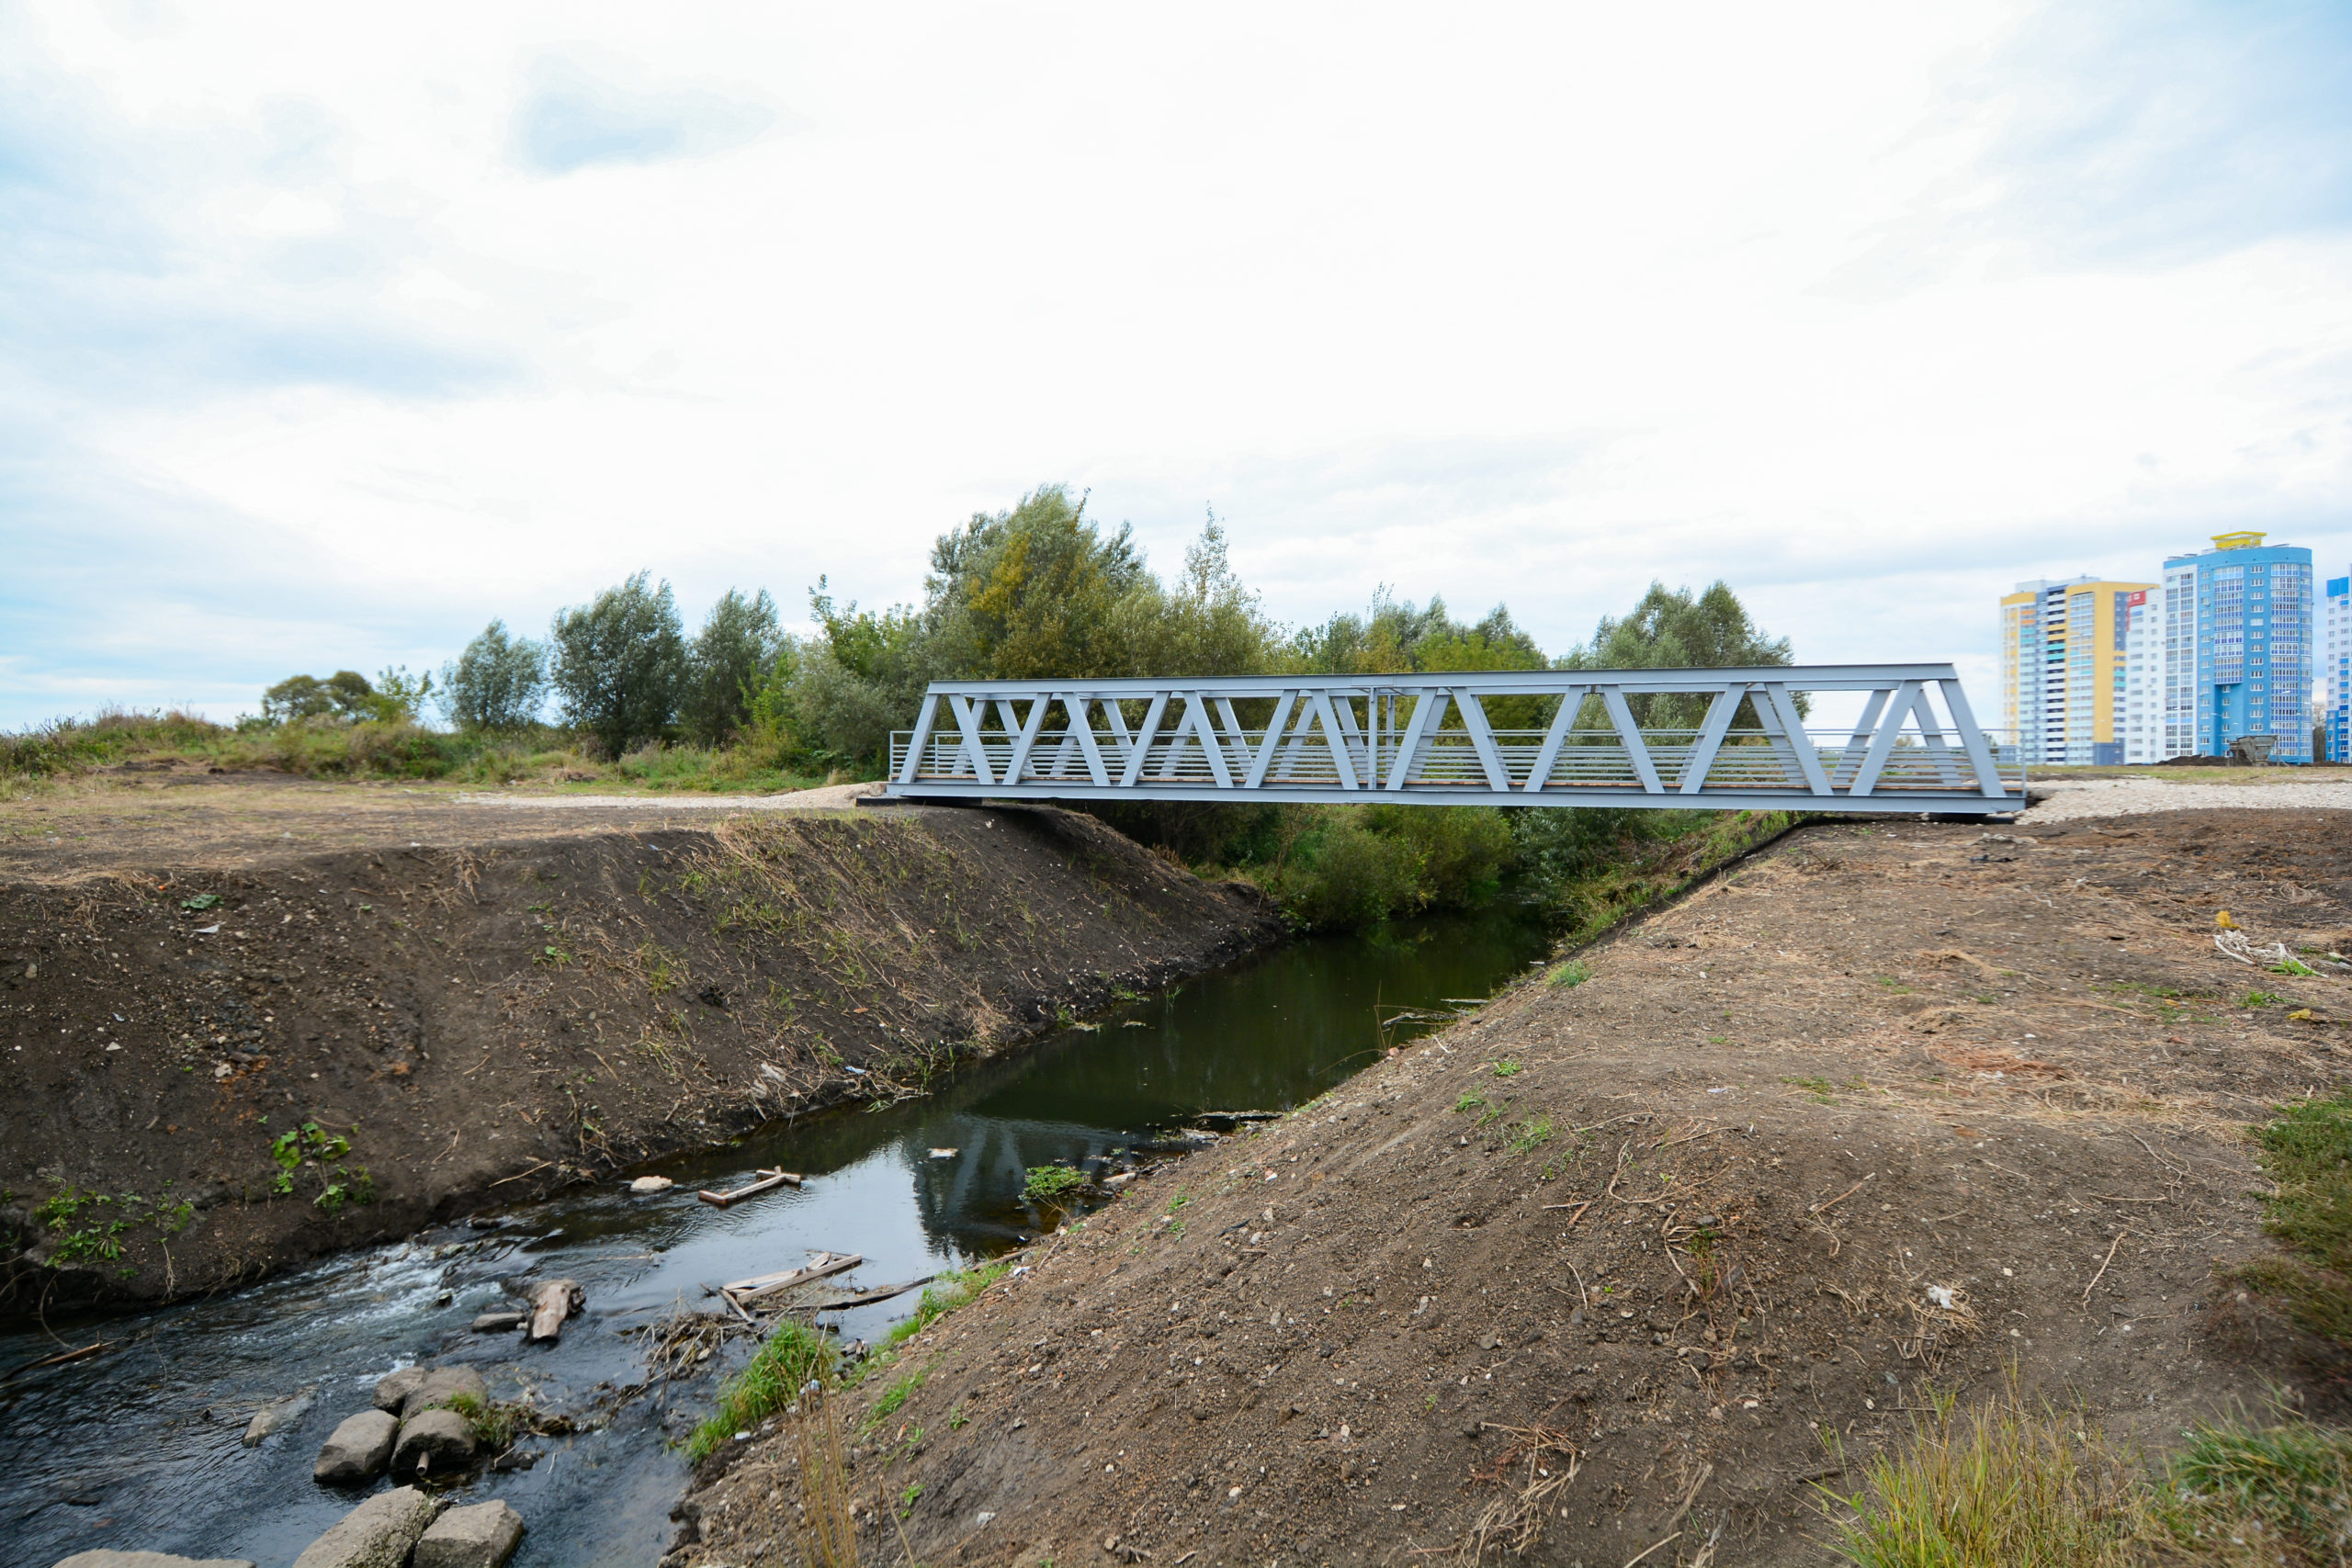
<point>1650,738</point>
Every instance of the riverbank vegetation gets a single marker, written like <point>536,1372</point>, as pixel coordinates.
<point>620,695</point>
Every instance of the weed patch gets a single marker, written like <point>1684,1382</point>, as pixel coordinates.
<point>2308,1153</point>
<point>793,1355</point>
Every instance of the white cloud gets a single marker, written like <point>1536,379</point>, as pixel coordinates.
<point>464,313</point>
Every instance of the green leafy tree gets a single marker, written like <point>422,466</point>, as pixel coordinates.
<point>1673,629</point>
<point>1031,592</point>
<point>344,694</point>
<point>620,662</point>
<point>399,696</point>
<point>497,684</point>
<point>1669,629</point>
<point>728,663</point>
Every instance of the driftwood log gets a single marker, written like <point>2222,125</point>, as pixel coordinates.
<point>552,1303</point>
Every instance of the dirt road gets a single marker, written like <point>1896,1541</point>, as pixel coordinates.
<point>1638,1263</point>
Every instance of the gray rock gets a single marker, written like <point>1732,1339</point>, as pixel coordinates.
<point>442,1384</point>
<point>498,1322</point>
<point>377,1534</point>
<point>480,1536</point>
<point>270,1417</point>
<point>359,1450</point>
<point>438,1440</point>
<point>149,1560</point>
<point>394,1388</point>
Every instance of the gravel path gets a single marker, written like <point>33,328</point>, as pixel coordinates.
<point>831,797</point>
<point>2071,798</point>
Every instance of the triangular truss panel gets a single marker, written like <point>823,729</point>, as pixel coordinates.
<point>1662,738</point>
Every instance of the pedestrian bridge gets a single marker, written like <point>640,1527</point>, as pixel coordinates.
<point>1720,739</point>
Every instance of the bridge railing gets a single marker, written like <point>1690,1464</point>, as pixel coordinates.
<point>1433,739</point>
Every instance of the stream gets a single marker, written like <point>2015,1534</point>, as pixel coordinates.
<point>141,1448</point>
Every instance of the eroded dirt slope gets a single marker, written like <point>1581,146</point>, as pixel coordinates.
<point>212,1066</point>
<point>1637,1263</point>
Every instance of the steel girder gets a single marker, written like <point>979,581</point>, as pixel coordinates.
<point>1575,739</point>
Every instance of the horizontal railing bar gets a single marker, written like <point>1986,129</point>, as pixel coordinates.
<point>1484,683</point>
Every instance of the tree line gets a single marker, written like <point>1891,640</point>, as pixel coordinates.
<point>1038,590</point>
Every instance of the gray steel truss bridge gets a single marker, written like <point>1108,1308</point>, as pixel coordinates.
<point>1720,739</point>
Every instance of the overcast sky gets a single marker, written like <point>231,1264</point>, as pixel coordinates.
<point>329,332</point>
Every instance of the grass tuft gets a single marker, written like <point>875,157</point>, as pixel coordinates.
<point>771,1380</point>
<point>2288,1487</point>
<point>2006,1483</point>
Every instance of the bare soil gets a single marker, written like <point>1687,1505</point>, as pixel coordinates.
<point>448,1004</point>
<point>1632,1269</point>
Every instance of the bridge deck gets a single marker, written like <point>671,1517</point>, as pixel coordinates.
<point>1660,738</point>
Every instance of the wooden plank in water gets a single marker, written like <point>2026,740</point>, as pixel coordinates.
<point>768,1284</point>
<point>867,1298</point>
<point>768,1182</point>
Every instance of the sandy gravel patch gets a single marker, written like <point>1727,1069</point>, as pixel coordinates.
<point>2071,798</point>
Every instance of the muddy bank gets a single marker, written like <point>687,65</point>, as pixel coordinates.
<point>1641,1262</point>
<point>265,1051</point>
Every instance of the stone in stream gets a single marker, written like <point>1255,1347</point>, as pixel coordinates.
<point>270,1417</point>
<point>359,1450</point>
<point>393,1388</point>
<point>149,1560</point>
<point>498,1322</point>
<point>437,1387</point>
<point>652,1184</point>
<point>437,1443</point>
<point>482,1536</point>
<point>377,1534</point>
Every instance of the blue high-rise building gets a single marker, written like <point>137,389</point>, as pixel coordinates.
<point>2239,643</point>
<point>2336,653</point>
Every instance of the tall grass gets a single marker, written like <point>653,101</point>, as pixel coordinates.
<point>2025,1482</point>
<point>335,748</point>
<point>793,1355</point>
<point>2005,1484</point>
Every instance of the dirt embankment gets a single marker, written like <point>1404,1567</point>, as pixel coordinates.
<point>1640,1263</point>
<point>270,1047</point>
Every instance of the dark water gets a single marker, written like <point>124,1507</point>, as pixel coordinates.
<point>140,1448</point>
